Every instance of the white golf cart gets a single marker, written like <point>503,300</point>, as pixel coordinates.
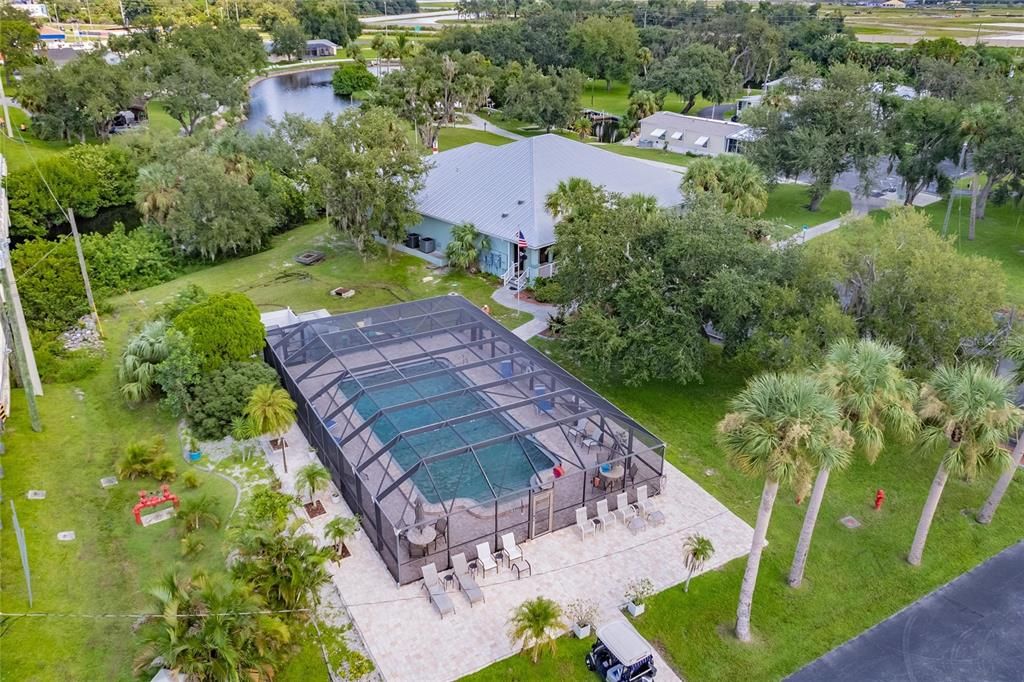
<point>621,655</point>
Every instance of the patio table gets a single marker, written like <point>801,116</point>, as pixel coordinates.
<point>422,536</point>
<point>613,475</point>
<point>636,524</point>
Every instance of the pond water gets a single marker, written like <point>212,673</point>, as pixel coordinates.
<point>308,93</point>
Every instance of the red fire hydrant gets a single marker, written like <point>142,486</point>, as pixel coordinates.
<point>879,499</point>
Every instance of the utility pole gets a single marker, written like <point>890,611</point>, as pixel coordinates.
<point>85,270</point>
<point>25,357</point>
<point>952,190</point>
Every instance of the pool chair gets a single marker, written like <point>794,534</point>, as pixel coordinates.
<point>643,506</point>
<point>584,525</point>
<point>465,579</point>
<point>623,509</point>
<point>435,590</point>
<point>510,549</point>
<point>604,517</point>
<point>484,558</point>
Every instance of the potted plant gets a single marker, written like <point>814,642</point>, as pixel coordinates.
<point>339,529</point>
<point>638,591</point>
<point>193,449</point>
<point>582,613</point>
<point>312,478</point>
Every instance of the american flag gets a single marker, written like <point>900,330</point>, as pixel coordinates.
<point>522,240</point>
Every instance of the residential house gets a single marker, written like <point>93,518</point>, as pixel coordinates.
<point>502,190</point>
<point>692,134</point>
<point>320,48</point>
<point>894,4</point>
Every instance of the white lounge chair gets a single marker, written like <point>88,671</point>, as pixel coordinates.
<point>510,549</point>
<point>644,506</point>
<point>484,558</point>
<point>435,590</point>
<point>623,509</point>
<point>460,567</point>
<point>583,524</point>
<point>604,517</point>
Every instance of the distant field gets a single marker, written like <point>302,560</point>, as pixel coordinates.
<point>904,25</point>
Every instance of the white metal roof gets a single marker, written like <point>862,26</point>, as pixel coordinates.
<point>696,125</point>
<point>624,642</point>
<point>502,190</point>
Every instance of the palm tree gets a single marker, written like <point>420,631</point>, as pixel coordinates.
<point>157,191</point>
<point>464,250</point>
<point>339,529</point>
<point>207,628</point>
<point>1012,350</point>
<point>312,478</point>
<point>271,411</point>
<point>979,123</point>
<point>642,104</point>
<point>697,551</point>
<point>744,184</point>
<point>197,511</point>
<point>404,46</point>
<point>573,196</point>
<point>531,622</point>
<point>702,176</point>
<point>874,396</point>
<point>582,126</point>
<point>968,412</point>
<point>644,58</point>
<point>284,566</point>
<point>137,371</point>
<point>354,52</point>
<point>774,426</point>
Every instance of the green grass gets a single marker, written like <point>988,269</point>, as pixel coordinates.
<point>450,138</point>
<point>788,204</point>
<point>650,153</point>
<point>854,578</point>
<point>25,148</point>
<point>616,100</point>
<point>110,564</point>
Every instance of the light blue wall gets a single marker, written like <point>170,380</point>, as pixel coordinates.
<point>494,261</point>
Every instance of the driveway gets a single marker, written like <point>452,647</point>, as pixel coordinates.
<point>969,629</point>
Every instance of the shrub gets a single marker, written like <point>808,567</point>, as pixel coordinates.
<point>639,590</point>
<point>196,512</point>
<point>146,458</point>
<point>178,373</point>
<point>191,544</point>
<point>60,366</point>
<point>191,479</point>
<point>222,396</point>
<point>223,328</point>
<point>184,299</point>
<point>267,507</point>
<point>548,291</point>
<point>352,78</point>
<point>50,282</point>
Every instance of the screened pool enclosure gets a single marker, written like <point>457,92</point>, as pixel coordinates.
<point>442,429</point>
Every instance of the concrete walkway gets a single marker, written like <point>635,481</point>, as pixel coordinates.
<point>540,312</point>
<point>477,123</point>
<point>861,207</point>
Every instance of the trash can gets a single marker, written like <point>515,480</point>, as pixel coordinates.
<point>426,244</point>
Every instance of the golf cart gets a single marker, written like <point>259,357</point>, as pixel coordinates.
<point>621,655</point>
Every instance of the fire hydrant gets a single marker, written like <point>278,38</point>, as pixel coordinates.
<point>879,499</point>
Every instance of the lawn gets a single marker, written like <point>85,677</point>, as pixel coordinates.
<point>112,561</point>
<point>650,153</point>
<point>450,138</point>
<point>855,578</point>
<point>616,99</point>
<point>788,202</point>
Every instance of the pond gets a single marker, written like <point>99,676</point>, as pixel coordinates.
<point>308,93</point>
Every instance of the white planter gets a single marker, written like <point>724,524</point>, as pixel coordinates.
<point>581,631</point>
<point>634,609</point>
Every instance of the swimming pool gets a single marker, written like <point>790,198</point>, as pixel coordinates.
<point>507,464</point>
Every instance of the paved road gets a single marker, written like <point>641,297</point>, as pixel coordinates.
<point>412,19</point>
<point>970,629</point>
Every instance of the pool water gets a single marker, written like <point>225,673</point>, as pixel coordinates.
<point>507,464</point>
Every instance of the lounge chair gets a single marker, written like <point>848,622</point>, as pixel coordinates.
<point>643,506</point>
<point>604,517</point>
<point>435,590</point>
<point>623,509</point>
<point>510,549</point>
<point>465,579</point>
<point>484,558</point>
<point>583,524</point>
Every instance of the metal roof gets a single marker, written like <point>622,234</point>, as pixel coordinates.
<point>695,125</point>
<point>422,389</point>
<point>502,189</point>
<point>624,642</point>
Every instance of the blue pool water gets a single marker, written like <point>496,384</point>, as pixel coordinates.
<point>507,464</point>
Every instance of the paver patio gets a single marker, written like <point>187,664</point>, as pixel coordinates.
<point>409,640</point>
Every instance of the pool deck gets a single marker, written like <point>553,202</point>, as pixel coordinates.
<point>410,642</point>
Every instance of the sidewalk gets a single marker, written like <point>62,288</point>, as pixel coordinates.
<point>477,123</point>
<point>540,312</point>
